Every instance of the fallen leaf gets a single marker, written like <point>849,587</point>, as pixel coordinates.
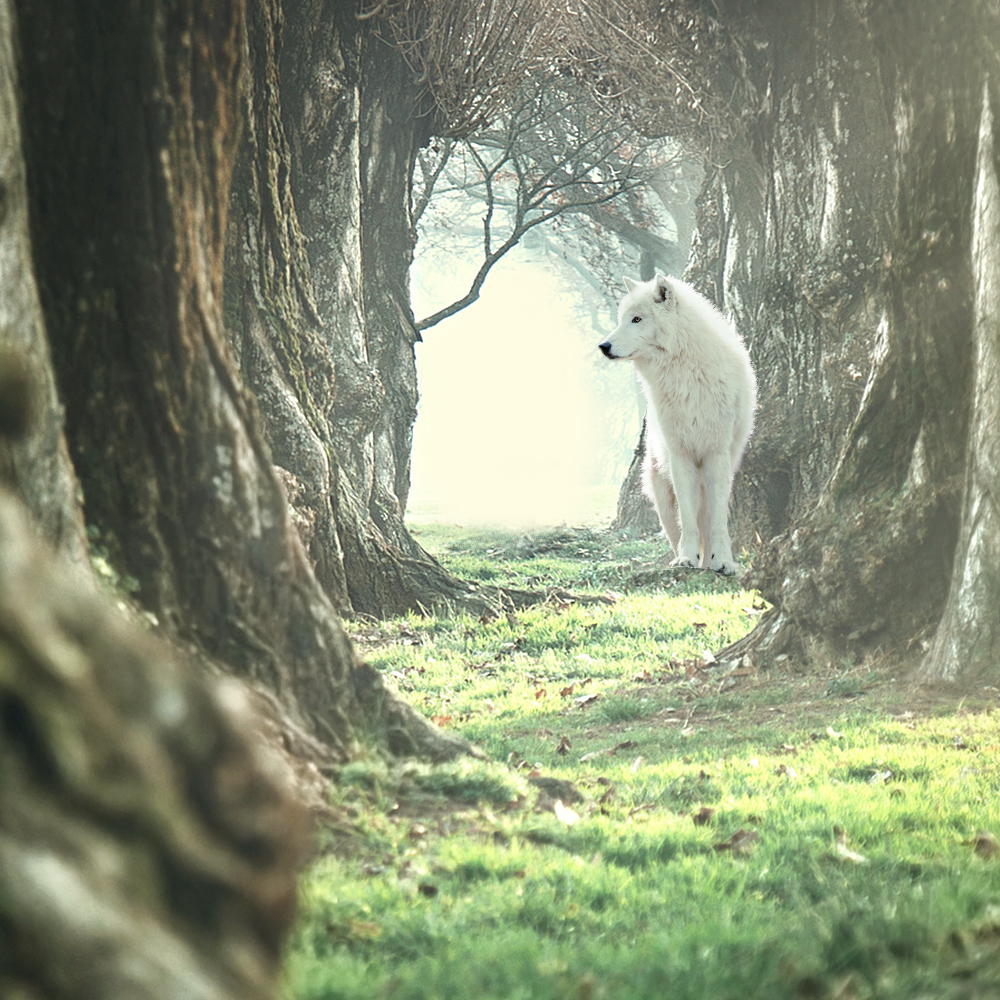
<point>566,691</point>
<point>441,720</point>
<point>564,746</point>
<point>832,733</point>
<point>608,751</point>
<point>362,930</point>
<point>740,844</point>
<point>985,844</point>
<point>786,770</point>
<point>637,763</point>
<point>643,808</point>
<point>703,816</point>
<point>698,626</point>
<point>540,693</point>
<point>585,699</point>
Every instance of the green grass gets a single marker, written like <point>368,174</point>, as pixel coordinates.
<point>758,836</point>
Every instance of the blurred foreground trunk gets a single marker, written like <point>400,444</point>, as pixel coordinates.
<point>148,847</point>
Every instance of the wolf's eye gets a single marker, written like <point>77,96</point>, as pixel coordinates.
<point>636,319</point>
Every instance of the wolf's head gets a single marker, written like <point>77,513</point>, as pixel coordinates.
<point>645,316</point>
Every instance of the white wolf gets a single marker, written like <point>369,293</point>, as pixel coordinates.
<point>695,372</point>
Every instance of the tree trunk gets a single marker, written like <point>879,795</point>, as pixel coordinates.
<point>871,569</point>
<point>322,190</point>
<point>148,846</point>
<point>36,464</point>
<point>635,512</point>
<point>271,312</point>
<point>147,849</point>
<point>967,643</point>
<point>130,153</point>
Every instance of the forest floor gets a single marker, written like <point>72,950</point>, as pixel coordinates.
<point>649,824</point>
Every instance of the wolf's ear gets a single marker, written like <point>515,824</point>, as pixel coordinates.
<point>630,285</point>
<point>663,292</point>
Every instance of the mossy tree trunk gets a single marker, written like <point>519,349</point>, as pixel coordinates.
<point>324,316</point>
<point>131,135</point>
<point>885,235</point>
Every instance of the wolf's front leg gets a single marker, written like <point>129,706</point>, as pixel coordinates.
<point>687,488</point>
<point>715,471</point>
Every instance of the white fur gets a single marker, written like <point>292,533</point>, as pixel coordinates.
<point>695,372</point>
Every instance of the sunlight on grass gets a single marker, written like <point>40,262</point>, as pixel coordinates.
<point>775,837</point>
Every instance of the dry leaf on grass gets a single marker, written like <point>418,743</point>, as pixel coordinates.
<point>985,844</point>
<point>607,751</point>
<point>740,844</point>
<point>703,816</point>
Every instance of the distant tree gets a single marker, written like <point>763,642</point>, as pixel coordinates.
<point>551,154</point>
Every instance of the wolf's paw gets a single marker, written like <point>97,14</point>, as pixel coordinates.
<point>725,567</point>
<point>683,562</point>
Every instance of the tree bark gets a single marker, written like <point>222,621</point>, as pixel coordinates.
<point>271,312</point>
<point>322,191</point>
<point>872,568</point>
<point>967,642</point>
<point>36,463</point>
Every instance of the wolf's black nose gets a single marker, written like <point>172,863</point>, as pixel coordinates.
<point>606,347</point>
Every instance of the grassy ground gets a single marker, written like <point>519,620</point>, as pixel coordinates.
<point>649,827</point>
